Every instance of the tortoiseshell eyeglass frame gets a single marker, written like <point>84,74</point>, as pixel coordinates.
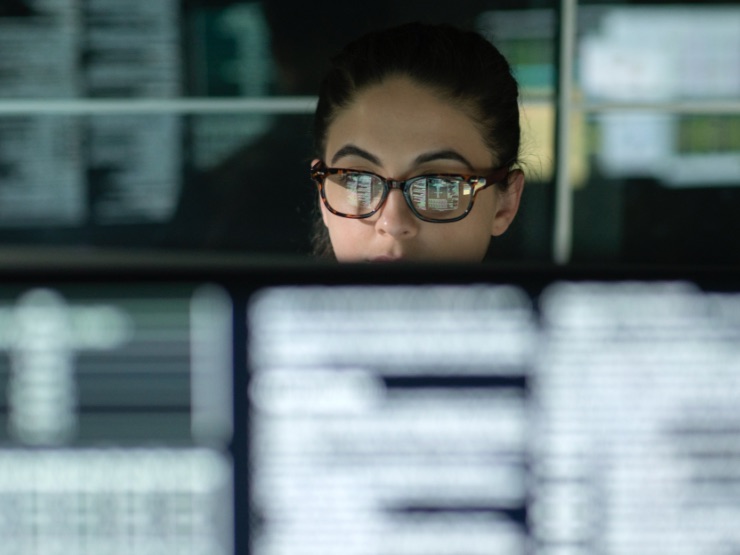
<point>320,171</point>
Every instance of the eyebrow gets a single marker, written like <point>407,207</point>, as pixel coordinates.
<point>352,150</point>
<point>444,154</point>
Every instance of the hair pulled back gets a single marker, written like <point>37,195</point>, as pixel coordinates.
<point>460,66</point>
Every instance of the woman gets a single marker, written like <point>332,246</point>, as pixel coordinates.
<point>417,136</point>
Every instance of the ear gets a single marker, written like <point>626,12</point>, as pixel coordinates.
<point>507,202</point>
<point>324,211</point>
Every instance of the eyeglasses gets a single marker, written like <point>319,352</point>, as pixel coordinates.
<point>438,198</point>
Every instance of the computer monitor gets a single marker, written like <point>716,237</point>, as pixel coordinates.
<point>309,408</point>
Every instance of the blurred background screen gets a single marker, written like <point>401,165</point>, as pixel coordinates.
<point>184,125</point>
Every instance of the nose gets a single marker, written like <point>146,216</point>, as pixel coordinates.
<point>396,219</point>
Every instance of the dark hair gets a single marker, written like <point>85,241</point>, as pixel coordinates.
<point>460,66</point>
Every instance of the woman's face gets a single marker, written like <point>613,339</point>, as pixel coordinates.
<point>399,129</point>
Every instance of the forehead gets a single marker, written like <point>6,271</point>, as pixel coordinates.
<point>401,118</point>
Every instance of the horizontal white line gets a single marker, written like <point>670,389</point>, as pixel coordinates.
<point>285,104</point>
<point>307,104</point>
<point>273,105</point>
<point>677,107</point>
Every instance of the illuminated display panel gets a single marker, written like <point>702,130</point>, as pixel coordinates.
<point>115,419</point>
<point>523,412</point>
<point>161,123</point>
<point>371,420</point>
<point>595,417</point>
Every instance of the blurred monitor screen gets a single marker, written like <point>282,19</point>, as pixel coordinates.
<point>115,407</point>
<point>368,410</point>
<point>596,417</point>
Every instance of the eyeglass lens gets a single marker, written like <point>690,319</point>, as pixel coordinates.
<point>433,197</point>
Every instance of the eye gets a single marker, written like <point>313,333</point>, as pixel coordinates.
<point>356,181</point>
<point>436,193</point>
<point>361,189</point>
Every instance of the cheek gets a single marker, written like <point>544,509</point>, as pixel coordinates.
<point>485,204</point>
<point>347,237</point>
<point>480,220</point>
<point>455,242</point>
<point>470,243</point>
<point>469,238</point>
